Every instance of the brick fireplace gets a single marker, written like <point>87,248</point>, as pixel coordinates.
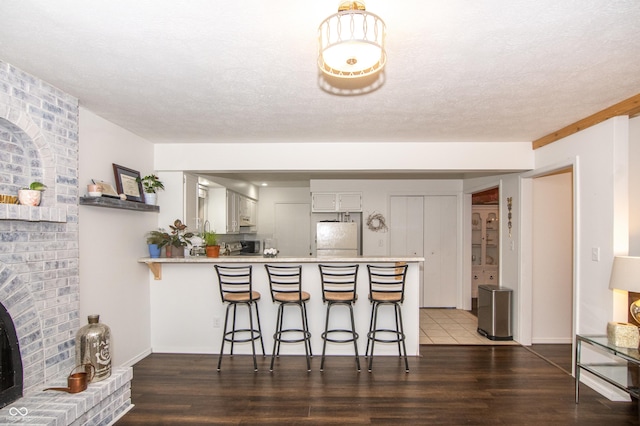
<point>39,280</point>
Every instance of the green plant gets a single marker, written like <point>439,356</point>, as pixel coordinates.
<point>160,238</point>
<point>179,237</point>
<point>210,238</point>
<point>37,186</point>
<point>150,184</point>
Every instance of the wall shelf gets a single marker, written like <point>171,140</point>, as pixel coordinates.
<point>115,203</point>
<point>56,213</point>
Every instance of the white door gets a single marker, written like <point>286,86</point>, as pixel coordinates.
<point>292,224</point>
<point>440,252</point>
<point>406,228</point>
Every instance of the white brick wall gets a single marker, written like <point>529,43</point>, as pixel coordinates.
<point>39,283</point>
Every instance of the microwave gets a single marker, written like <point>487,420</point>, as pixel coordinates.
<point>250,247</point>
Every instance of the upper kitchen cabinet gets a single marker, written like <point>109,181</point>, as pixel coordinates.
<point>191,202</point>
<point>327,202</point>
<point>230,212</point>
<point>223,211</point>
<point>247,211</point>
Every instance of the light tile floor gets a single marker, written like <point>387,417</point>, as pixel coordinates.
<point>452,327</point>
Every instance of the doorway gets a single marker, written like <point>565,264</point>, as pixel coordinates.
<point>552,262</point>
<point>485,241</point>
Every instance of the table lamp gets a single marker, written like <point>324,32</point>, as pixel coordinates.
<point>625,275</point>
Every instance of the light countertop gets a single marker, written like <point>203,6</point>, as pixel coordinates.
<point>281,259</point>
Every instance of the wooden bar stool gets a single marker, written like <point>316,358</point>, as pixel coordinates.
<point>386,287</point>
<point>285,283</point>
<point>339,288</point>
<point>236,289</point>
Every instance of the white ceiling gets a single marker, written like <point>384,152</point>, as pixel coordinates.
<point>237,71</point>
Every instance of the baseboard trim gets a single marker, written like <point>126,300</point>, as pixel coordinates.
<point>137,358</point>
<point>552,341</point>
<point>603,388</point>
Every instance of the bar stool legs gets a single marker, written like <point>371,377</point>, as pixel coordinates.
<point>327,332</point>
<point>230,336</point>
<point>339,288</point>
<point>398,334</point>
<point>285,283</point>
<point>236,289</point>
<point>278,336</point>
<point>386,287</point>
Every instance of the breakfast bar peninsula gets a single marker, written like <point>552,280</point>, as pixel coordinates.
<point>187,314</point>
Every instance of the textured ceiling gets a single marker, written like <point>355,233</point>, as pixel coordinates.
<point>234,71</point>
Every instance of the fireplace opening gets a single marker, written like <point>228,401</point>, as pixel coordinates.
<point>10,360</point>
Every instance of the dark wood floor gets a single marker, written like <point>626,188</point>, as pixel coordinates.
<point>448,385</point>
<point>559,355</point>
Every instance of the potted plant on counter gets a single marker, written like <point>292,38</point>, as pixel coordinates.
<point>32,195</point>
<point>211,242</point>
<point>155,241</point>
<point>178,239</point>
<point>151,184</point>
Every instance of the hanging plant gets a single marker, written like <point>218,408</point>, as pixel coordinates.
<point>376,223</point>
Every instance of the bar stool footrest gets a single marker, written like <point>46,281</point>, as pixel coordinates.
<point>399,336</point>
<point>255,335</point>
<point>277,336</point>
<point>325,336</point>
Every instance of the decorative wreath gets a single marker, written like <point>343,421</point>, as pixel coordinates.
<point>375,223</point>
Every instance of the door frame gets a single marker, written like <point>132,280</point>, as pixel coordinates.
<point>526,247</point>
<point>464,296</point>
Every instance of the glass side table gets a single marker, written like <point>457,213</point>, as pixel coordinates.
<point>620,371</point>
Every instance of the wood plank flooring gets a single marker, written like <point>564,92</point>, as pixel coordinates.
<point>449,385</point>
<point>558,354</point>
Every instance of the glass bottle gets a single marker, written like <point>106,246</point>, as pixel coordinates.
<point>93,344</point>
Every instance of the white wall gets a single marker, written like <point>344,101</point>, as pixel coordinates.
<point>267,206</point>
<point>432,156</point>
<point>112,283</point>
<point>634,187</point>
<point>375,199</point>
<point>601,169</point>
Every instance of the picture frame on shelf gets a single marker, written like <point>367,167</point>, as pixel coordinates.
<point>107,189</point>
<point>127,183</point>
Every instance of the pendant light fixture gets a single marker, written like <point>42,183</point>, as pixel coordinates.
<point>351,42</point>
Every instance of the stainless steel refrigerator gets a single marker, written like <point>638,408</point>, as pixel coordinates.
<point>337,239</point>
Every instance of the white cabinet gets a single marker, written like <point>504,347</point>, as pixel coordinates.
<point>427,226</point>
<point>228,211</point>
<point>233,213</point>
<point>223,211</point>
<point>336,202</point>
<point>247,211</point>
<point>190,216</point>
<point>485,247</point>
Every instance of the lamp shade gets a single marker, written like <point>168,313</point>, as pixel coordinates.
<point>351,42</point>
<point>625,274</point>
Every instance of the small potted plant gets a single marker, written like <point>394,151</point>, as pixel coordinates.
<point>32,195</point>
<point>211,242</point>
<point>151,184</point>
<point>178,239</point>
<point>156,240</point>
